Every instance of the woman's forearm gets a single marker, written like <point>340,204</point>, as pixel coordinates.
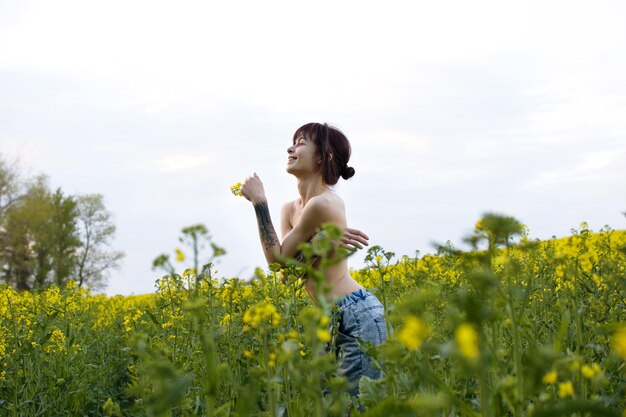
<point>267,233</point>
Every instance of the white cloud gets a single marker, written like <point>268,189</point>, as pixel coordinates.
<point>398,140</point>
<point>597,168</point>
<point>274,53</point>
<point>182,162</point>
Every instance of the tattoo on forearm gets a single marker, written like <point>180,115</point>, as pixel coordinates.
<point>266,229</point>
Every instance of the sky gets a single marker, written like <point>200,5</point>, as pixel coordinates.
<point>453,109</point>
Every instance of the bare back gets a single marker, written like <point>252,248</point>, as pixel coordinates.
<point>337,275</point>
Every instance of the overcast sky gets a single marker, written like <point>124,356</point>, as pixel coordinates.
<point>453,109</point>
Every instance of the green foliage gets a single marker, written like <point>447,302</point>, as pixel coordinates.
<point>48,237</point>
<point>517,329</point>
<point>195,237</point>
<point>63,237</point>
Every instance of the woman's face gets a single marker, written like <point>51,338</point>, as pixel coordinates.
<point>302,157</point>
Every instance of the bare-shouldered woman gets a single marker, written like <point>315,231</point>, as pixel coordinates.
<point>318,157</point>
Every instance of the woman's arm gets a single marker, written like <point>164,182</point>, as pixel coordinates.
<point>267,233</point>
<point>314,214</point>
<point>285,219</point>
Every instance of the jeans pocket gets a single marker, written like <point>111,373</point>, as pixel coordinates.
<point>381,326</point>
<point>372,325</point>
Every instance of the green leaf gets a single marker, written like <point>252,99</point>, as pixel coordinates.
<point>371,391</point>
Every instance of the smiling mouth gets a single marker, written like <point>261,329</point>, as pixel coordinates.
<point>291,158</point>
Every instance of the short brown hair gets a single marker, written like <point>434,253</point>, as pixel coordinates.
<point>329,140</point>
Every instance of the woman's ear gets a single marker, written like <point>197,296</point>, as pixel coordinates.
<point>330,156</point>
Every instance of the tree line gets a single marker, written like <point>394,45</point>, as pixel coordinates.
<point>49,237</point>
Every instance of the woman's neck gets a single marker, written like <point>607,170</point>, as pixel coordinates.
<point>310,187</point>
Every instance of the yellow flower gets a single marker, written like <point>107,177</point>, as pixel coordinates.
<point>323,335</point>
<point>226,319</point>
<point>413,333</point>
<point>467,341</point>
<point>247,354</point>
<point>586,262</point>
<point>566,389</point>
<point>591,371</point>
<point>262,311</point>
<point>272,360</point>
<point>236,189</point>
<point>618,342</point>
<point>574,366</point>
<point>180,256</point>
<point>550,377</point>
<point>55,342</point>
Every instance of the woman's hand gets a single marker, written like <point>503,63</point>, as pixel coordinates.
<point>252,189</point>
<point>353,239</point>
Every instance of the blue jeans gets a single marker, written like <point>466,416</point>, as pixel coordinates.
<point>360,317</point>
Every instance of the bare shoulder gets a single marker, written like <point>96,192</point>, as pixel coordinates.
<point>331,205</point>
<point>288,209</point>
<point>289,206</point>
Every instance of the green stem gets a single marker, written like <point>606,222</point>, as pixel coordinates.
<point>518,361</point>
<point>384,297</point>
<point>17,345</point>
<point>579,342</point>
<point>485,406</point>
<point>268,376</point>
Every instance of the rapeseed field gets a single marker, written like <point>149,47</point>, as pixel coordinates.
<point>509,327</point>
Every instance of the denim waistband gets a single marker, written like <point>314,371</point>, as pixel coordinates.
<point>353,298</point>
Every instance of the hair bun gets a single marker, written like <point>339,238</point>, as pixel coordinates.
<point>347,172</point>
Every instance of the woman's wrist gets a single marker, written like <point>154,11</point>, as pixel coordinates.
<point>258,201</point>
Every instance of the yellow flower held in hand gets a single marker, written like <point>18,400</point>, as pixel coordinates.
<point>236,189</point>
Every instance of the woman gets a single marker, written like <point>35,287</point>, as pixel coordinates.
<point>318,156</point>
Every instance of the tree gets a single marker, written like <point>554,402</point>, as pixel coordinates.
<point>26,241</point>
<point>64,240</point>
<point>95,256</point>
<point>49,237</point>
<point>11,184</point>
<point>10,188</point>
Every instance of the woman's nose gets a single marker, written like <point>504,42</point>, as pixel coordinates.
<point>290,149</point>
